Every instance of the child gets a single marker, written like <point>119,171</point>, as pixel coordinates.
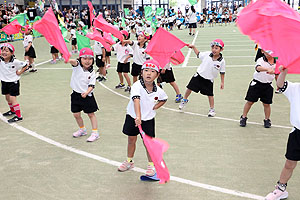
<point>124,52</point>
<point>167,75</point>
<point>100,59</point>
<point>29,49</point>
<point>73,38</point>
<point>83,83</point>
<point>10,71</point>
<point>261,88</point>
<point>139,55</point>
<point>54,53</point>
<point>146,97</point>
<point>292,92</point>
<point>212,64</point>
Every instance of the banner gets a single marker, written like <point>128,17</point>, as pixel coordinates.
<point>159,11</point>
<point>3,37</point>
<point>148,11</point>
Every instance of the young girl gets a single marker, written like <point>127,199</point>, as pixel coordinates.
<point>29,49</point>
<point>83,83</point>
<point>146,97</point>
<point>54,52</point>
<point>73,38</point>
<point>100,59</point>
<point>124,52</point>
<point>10,71</point>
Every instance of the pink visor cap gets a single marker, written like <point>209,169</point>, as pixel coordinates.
<point>8,45</point>
<point>151,64</point>
<point>86,52</point>
<point>217,42</point>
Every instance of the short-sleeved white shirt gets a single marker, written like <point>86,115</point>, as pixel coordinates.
<point>73,33</point>
<point>292,92</point>
<point>27,40</point>
<point>147,100</point>
<point>82,79</point>
<point>8,70</point>
<point>209,68</point>
<point>192,17</point>
<point>139,54</point>
<point>122,52</point>
<point>98,48</point>
<point>264,77</point>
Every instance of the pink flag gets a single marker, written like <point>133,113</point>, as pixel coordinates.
<point>49,28</point>
<point>92,11</point>
<point>177,58</point>
<point>98,37</point>
<point>12,28</point>
<point>100,23</point>
<point>275,26</point>
<point>163,46</point>
<point>107,37</point>
<point>156,148</point>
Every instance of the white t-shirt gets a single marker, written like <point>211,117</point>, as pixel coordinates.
<point>292,92</point>
<point>27,40</point>
<point>122,52</point>
<point>82,79</point>
<point>8,70</point>
<point>264,77</point>
<point>73,33</point>
<point>139,54</point>
<point>147,100</point>
<point>209,68</point>
<point>192,17</point>
<point>98,48</point>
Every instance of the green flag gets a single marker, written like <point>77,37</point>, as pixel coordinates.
<point>123,22</point>
<point>22,19</point>
<point>159,11</point>
<point>85,29</point>
<point>193,2</point>
<point>126,11</point>
<point>148,11</point>
<point>82,41</point>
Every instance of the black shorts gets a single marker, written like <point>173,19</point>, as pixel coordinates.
<point>201,22</point>
<point>11,88</point>
<point>122,67</point>
<point>30,53</point>
<point>258,90</point>
<point>136,69</point>
<point>293,146</point>
<point>202,85</point>
<point>192,25</point>
<point>167,77</point>
<point>107,53</point>
<point>53,50</point>
<point>132,27</point>
<point>130,129</point>
<point>88,104</point>
<point>170,24</point>
<point>99,62</point>
<point>74,41</point>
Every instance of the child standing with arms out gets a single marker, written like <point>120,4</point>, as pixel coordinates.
<point>83,83</point>
<point>146,97</point>
<point>29,49</point>
<point>292,92</point>
<point>212,64</point>
<point>261,88</point>
<point>10,71</point>
<point>124,52</point>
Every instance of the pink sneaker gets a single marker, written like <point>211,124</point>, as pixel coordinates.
<point>93,137</point>
<point>79,133</point>
<point>126,166</point>
<point>150,171</point>
<point>107,66</point>
<point>277,195</point>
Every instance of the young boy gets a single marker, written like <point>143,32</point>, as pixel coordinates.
<point>83,83</point>
<point>73,38</point>
<point>124,52</point>
<point>100,59</point>
<point>29,49</point>
<point>212,64</point>
<point>261,88</point>
<point>146,97</point>
<point>292,92</point>
<point>10,71</point>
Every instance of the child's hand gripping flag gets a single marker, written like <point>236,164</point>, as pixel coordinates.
<point>156,148</point>
<point>49,28</point>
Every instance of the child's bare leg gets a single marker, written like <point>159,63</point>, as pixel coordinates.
<point>187,93</point>
<point>211,101</point>
<point>287,171</point>
<point>175,86</point>
<point>135,78</point>
<point>78,119</point>
<point>93,119</point>
<point>127,79</point>
<point>247,108</point>
<point>267,109</point>
<point>131,146</point>
<point>121,77</point>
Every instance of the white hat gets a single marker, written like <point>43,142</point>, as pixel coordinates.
<point>148,22</point>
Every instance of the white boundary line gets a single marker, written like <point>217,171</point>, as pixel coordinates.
<point>186,60</point>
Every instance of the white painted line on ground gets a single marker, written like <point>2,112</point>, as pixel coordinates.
<point>186,60</point>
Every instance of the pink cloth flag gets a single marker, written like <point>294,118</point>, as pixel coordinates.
<point>49,28</point>
<point>177,58</point>
<point>163,46</point>
<point>156,148</point>
<point>102,24</point>
<point>275,26</point>
<point>92,11</point>
<point>12,28</point>
<point>107,37</point>
<point>98,37</point>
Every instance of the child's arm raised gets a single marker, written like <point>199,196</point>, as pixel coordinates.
<point>137,109</point>
<point>191,46</point>
<point>73,62</point>
<point>281,77</point>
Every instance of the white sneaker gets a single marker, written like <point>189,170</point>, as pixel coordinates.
<point>183,103</point>
<point>93,137</point>
<point>211,112</point>
<point>150,170</point>
<point>277,195</point>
